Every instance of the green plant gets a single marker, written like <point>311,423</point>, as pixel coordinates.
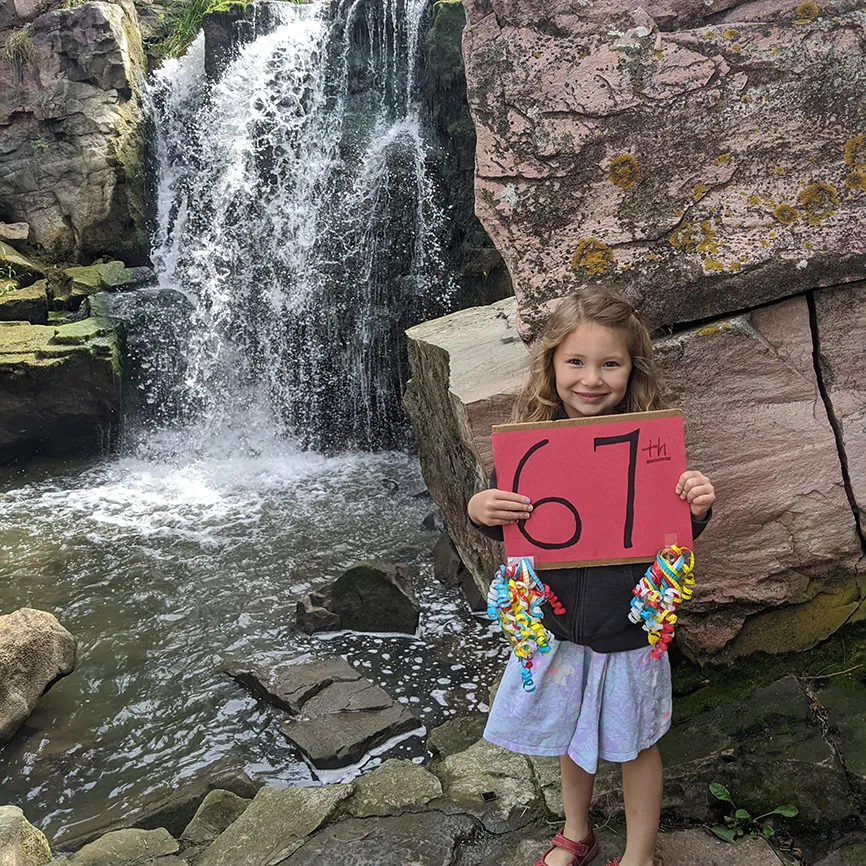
<point>742,821</point>
<point>19,49</point>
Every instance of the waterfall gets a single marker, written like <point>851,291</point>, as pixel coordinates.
<point>298,218</point>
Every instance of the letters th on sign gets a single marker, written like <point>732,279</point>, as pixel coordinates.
<point>603,489</point>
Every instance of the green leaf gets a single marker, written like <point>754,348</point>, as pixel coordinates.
<point>729,820</point>
<point>786,811</point>
<point>720,792</point>
<point>768,830</point>
<point>742,815</point>
<point>724,833</point>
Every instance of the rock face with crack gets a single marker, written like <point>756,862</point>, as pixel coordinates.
<point>338,715</point>
<point>70,155</point>
<point>699,164</point>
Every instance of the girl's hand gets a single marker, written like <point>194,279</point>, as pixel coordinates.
<point>497,507</point>
<point>695,487</point>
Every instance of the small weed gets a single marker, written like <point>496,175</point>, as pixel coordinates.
<point>19,49</point>
<point>742,822</point>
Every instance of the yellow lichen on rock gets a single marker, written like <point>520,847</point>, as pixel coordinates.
<point>592,256</point>
<point>730,34</point>
<point>715,328</point>
<point>722,159</point>
<point>623,171</point>
<point>806,13</point>
<point>708,243</point>
<point>818,201</point>
<point>711,265</point>
<point>754,200</point>
<point>855,152</point>
<point>699,191</point>
<point>780,169</point>
<point>786,214</point>
<point>683,238</point>
<point>856,180</point>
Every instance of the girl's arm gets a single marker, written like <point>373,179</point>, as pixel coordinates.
<point>491,509</point>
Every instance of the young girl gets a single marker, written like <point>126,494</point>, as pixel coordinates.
<point>598,693</point>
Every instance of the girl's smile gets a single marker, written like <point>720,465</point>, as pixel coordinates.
<point>592,366</point>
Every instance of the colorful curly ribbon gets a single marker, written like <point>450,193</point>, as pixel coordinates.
<point>514,602</point>
<point>667,583</point>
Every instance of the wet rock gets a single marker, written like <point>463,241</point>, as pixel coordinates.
<point>129,848</point>
<point>607,149</point>
<point>456,735</point>
<point>69,107</point>
<point>369,596</point>
<point>846,706</point>
<point>394,786</point>
<point>449,569</point>
<point>698,848</point>
<point>853,854</point>
<point>218,811</point>
<point>274,826</point>
<point>14,231</point>
<point>18,264</point>
<point>767,750</point>
<point>466,369</point>
<point>424,839</point>
<point>84,281</point>
<point>548,777</point>
<point>28,304</point>
<point>340,714</point>
<point>35,652</point>
<point>59,387</point>
<point>21,844</point>
<point>493,783</point>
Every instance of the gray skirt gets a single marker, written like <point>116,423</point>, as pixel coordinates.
<point>586,705</point>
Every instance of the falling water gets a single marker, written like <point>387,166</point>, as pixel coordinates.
<point>297,215</point>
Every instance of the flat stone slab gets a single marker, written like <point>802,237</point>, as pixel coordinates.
<point>423,839</point>
<point>121,847</point>
<point>218,811</point>
<point>394,786</point>
<point>274,826</point>
<point>698,848</point>
<point>340,715</point>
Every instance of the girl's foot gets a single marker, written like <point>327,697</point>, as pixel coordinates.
<point>567,852</point>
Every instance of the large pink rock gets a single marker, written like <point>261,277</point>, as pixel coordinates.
<point>780,566</point>
<point>702,168</point>
<point>840,315</point>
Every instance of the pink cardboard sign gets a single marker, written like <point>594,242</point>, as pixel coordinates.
<point>603,489</point>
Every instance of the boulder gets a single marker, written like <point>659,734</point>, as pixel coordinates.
<point>702,160</point>
<point>35,652</point>
<point>466,369</point>
<point>699,848</point>
<point>393,787</point>
<point>219,810</point>
<point>129,848</point>
<point>779,567</point>
<point>28,304</point>
<point>456,735</point>
<point>14,231</point>
<point>59,387</point>
<point>366,597</point>
<point>21,844</point>
<point>274,826</point>
<point>450,571</point>
<point>71,159</point>
<point>339,715</point>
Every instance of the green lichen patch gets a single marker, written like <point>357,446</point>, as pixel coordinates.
<point>818,201</point>
<point>592,255</point>
<point>623,171</point>
<point>856,181</point>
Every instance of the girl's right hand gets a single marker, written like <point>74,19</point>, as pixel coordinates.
<point>497,507</point>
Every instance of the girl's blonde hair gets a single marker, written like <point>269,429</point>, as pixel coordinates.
<point>538,401</point>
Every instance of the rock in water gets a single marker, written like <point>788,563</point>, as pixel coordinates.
<point>340,714</point>
<point>21,844</point>
<point>35,652</point>
<point>366,597</point>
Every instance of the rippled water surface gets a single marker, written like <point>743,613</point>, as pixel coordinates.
<point>166,572</point>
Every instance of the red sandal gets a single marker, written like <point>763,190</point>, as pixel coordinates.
<point>583,851</point>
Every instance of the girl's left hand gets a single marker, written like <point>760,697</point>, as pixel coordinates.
<point>695,487</point>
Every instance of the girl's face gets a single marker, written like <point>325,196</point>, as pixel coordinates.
<point>592,366</point>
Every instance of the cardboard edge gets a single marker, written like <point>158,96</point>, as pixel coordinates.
<point>580,422</point>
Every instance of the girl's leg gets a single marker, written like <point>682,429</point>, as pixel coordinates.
<point>576,798</point>
<point>642,792</point>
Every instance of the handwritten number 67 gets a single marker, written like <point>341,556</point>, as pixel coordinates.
<point>631,439</point>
